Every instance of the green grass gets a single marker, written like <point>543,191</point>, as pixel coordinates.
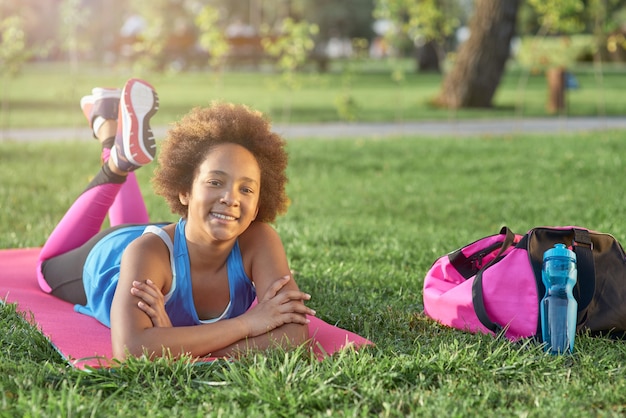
<point>368,218</point>
<point>45,96</point>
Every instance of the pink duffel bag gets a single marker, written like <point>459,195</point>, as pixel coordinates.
<point>493,285</point>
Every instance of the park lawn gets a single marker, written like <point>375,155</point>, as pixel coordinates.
<point>367,219</point>
<point>45,96</point>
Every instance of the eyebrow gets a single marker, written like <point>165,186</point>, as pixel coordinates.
<point>223,173</point>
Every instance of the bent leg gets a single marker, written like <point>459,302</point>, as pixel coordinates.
<point>82,221</point>
<point>109,192</point>
<point>64,273</point>
<point>129,206</point>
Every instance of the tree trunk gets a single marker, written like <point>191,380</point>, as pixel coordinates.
<point>481,59</point>
<point>427,58</point>
<point>556,89</point>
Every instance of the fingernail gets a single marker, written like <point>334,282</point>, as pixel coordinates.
<point>312,312</point>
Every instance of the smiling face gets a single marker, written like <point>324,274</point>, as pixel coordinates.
<point>224,196</point>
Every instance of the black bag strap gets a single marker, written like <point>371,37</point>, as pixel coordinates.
<point>586,283</point>
<point>477,286</point>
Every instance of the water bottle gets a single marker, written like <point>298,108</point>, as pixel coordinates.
<point>558,306</point>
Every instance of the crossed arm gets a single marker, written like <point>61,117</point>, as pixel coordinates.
<point>140,324</point>
<point>271,321</point>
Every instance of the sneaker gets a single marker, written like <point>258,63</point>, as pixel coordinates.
<point>135,145</point>
<point>103,102</point>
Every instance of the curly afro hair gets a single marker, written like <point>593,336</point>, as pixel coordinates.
<point>191,139</point>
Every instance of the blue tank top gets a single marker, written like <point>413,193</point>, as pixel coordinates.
<point>102,268</point>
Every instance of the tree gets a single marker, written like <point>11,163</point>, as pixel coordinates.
<point>13,51</point>
<point>423,25</point>
<point>13,54</point>
<point>343,20</point>
<point>290,48</point>
<point>481,59</point>
<point>166,34</point>
<point>556,17</point>
<point>74,19</point>
<point>211,36</point>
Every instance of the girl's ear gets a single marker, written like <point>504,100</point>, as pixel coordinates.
<point>184,198</point>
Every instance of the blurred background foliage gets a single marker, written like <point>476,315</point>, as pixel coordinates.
<point>289,36</point>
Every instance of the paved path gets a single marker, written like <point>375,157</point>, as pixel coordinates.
<point>458,128</point>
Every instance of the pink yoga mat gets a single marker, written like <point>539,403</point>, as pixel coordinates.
<point>82,340</point>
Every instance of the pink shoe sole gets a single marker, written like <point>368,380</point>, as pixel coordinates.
<point>138,104</point>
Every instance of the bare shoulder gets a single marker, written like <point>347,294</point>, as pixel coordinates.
<point>148,250</point>
<point>262,252</point>
<point>257,235</point>
<point>150,244</point>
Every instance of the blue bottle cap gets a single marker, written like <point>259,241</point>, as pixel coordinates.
<point>559,250</point>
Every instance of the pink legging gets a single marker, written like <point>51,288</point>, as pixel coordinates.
<point>123,203</point>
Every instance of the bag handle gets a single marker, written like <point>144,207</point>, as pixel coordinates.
<point>477,286</point>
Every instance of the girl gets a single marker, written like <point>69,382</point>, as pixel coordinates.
<point>184,287</point>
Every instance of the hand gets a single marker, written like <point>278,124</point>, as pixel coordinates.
<point>277,309</point>
<point>151,302</point>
